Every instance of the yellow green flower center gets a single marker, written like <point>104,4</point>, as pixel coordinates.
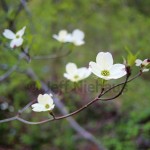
<point>47,106</point>
<point>76,77</point>
<point>17,36</point>
<point>105,73</point>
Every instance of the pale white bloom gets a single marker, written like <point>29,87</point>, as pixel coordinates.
<point>145,70</point>
<point>75,74</point>
<point>77,37</point>
<point>143,64</point>
<point>62,36</point>
<point>16,38</point>
<point>4,106</point>
<point>105,69</point>
<point>139,62</point>
<point>44,103</point>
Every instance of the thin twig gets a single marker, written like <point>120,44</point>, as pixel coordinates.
<point>61,106</point>
<point>80,109</point>
<point>9,119</point>
<point>64,111</point>
<point>51,56</point>
<point>123,87</point>
<point>9,72</point>
<point>139,74</point>
<point>26,107</point>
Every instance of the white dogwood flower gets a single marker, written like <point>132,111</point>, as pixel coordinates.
<point>77,37</point>
<point>143,64</point>
<point>105,69</point>
<point>45,103</point>
<point>62,36</point>
<point>139,62</point>
<point>75,74</point>
<point>16,38</point>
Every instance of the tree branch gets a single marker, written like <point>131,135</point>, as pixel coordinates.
<point>9,72</point>
<point>51,56</point>
<point>64,111</point>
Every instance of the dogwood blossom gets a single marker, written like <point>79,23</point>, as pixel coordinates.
<point>45,103</point>
<point>143,64</point>
<point>75,74</point>
<point>16,38</point>
<point>77,37</point>
<point>104,67</point>
<point>62,36</point>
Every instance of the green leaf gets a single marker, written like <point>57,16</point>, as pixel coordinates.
<point>38,84</point>
<point>131,57</point>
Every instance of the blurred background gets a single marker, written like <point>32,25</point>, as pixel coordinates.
<point>114,26</point>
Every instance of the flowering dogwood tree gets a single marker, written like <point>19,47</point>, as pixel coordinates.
<point>104,69</point>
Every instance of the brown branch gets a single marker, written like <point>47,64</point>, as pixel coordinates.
<point>64,111</point>
<point>123,87</point>
<point>80,109</point>
<point>75,112</point>
<point>139,74</point>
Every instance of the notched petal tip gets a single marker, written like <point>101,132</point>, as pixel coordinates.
<point>104,59</point>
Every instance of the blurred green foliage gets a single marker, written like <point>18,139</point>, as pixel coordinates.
<point>109,26</point>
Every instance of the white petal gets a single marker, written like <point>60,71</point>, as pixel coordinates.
<point>9,34</point>
<point>66,75</point>
<point>95,68</point>
<point>78,35</point>
<point>71,68</point>
<point>145,62</point>
<point>62,33</point>
<point>45,99</point>
<point>55,36</point>
<point>20,33</point>
<point>50,94</point>
<point>105,60</point>
<point>138,62</point>
<point>62,36</point>
<point>16,42</point>
<point>105,77</point>
<point>37,107</point>
<point>40,99</point>
<point>84,72</point>
<point>48,98</point>
<point>69,38</point>
<point>70,77</point>
<point>145,70</point>
<point>51,107</point>
<point>78,43</point>
<point>117,71</point>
